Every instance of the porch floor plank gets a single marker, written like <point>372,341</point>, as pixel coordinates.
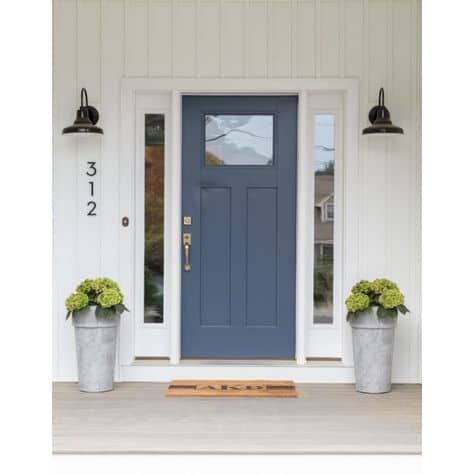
<point>325,418</point>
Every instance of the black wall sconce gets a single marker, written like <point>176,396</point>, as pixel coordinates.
<point>86,118</point>
<point>380,119</point>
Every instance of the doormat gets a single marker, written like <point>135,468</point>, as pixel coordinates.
<point>230,388</point>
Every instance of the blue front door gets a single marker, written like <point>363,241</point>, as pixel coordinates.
<point>239,156</point>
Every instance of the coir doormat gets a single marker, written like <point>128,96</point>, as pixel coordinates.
<point>231,388</point>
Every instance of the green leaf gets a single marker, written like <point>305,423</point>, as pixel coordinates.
<point>68,315</point>
<point>381,312</point>
<point>403,309</point>
<point>392,312</point>
<point>386,312</point>
<point>104,312</point>
<point>119,308</point>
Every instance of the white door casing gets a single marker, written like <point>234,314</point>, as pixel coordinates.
<point>140,96</point>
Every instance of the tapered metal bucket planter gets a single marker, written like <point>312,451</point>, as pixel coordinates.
<point>373,344</point>
<point>96,340</point>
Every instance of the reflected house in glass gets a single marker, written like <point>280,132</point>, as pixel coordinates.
<point>323,248</point>
<point>324,196</point>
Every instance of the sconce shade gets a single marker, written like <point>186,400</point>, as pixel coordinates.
<point>86,119</point>
<point>380,119</point>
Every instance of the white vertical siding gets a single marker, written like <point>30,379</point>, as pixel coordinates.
<point>303,41</point>
<point>184,38</point>
<point>233,39</point>
<point>112,66</point>
<point>256,34</point>
<point>402,172</point>
<point>329,38</point>
<point>279,39</point>
<point>96,43</point>
<point>64,181</point>
<point>160,38</point>
<point>374,160</point>
<point>352,43</point>
<point>89,54</point>
<point>136,44</point>
<point>208,34</point>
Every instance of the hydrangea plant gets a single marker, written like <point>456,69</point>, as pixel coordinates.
<point>381,293</point>
<point>103,293</point>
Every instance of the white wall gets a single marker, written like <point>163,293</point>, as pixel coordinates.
<point>96,43</point>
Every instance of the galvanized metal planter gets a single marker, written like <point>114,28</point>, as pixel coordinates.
<point>96,350</point>
<point>373,343</point>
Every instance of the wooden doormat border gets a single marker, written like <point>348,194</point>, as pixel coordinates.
<point>230,388</point>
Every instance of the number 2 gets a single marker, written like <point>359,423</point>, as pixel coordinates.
<point>92,211</point>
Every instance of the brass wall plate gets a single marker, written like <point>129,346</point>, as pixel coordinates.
<point>187,220</point>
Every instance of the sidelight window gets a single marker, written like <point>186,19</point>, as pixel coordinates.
<point>154,217</point>
<point>324,167</point>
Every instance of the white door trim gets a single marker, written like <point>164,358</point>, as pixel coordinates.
<point>175,88</point>
<point>149,337</point>
<point>326,340</point>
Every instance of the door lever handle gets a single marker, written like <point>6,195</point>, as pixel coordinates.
<point>187,246</point>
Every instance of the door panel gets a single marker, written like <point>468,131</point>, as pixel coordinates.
<point>215,245</point>
<point>261,254</point>
<point>239,187</point>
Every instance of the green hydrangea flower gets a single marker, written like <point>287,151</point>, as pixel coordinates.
<point>357,302</point>
<point>362,287</point>
<point>391,298</point>
<point>101,284</point>
<point>86,286</point>
<point>378,286</point>
<point>77,301</point>
<point>109,297</point>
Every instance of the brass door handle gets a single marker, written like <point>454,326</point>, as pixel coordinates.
<point>187,246</point>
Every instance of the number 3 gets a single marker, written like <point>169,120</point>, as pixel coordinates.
<point>92,168</point>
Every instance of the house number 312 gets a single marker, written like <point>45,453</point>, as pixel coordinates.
<point>91,172</point>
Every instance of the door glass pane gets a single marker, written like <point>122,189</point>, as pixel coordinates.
<point>154,197</point>
<point>324,166</point>
<point>238,139</point>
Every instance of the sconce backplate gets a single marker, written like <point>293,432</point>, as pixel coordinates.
<point>93,114</point>
<point>373,113</point>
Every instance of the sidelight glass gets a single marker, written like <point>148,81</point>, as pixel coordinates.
<point>324,206</point>
<point>154,213</point>
<point>239,139</point>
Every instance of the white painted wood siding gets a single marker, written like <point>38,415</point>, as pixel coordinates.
<point>96,43</point>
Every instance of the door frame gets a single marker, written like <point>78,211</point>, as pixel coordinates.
<point>134,94</point>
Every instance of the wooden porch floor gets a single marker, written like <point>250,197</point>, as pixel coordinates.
<point>325,418</point>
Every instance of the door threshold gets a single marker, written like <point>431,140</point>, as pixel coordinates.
<point>236,362</point>
<point>152,361</point>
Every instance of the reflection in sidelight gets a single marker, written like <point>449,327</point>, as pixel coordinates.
<point>324,166</point>
<point>154,197</point>
<point>238,139</point>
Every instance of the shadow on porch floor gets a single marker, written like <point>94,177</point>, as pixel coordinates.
<point>325,418</point>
